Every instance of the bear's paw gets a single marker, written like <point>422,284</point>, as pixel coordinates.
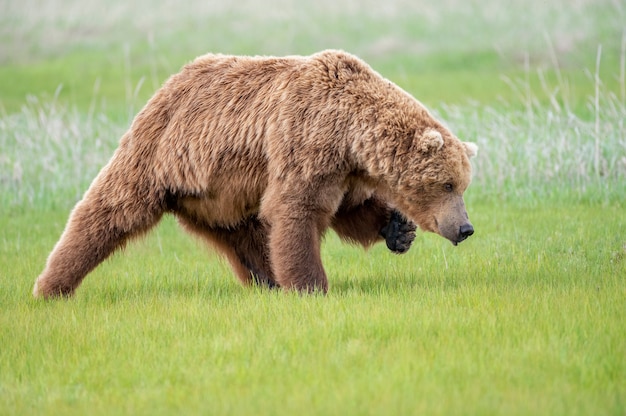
<point>399,233</point>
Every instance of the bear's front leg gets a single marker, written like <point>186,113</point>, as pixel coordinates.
<point>295,254</point>
<point>399,233</point>
<point>371,220</point>
<point>298,211</point>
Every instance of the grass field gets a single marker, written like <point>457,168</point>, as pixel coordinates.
<point>526,317</point>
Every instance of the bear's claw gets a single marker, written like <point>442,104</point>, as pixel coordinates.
<point>399,233</point>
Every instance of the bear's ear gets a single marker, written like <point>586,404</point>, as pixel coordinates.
<point>471,149</point>
<point>431,141</point>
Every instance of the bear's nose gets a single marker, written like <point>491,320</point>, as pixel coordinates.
<point>466,230</point>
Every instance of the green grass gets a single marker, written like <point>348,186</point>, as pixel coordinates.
<point>523,318</point>
<point>526,317</point>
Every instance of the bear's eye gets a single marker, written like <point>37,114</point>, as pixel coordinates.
<point>448,187</point>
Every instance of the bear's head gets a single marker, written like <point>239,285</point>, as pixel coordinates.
<point>429,186</point>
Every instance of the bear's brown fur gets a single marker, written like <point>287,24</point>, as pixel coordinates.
<point>260,156</point>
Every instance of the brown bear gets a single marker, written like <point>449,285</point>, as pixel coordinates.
<point>260,156</point>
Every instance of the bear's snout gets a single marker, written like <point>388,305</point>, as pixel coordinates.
<point>465,231</point>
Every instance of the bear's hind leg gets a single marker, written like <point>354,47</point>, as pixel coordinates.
<point>103,221</point>
<point>244,246</point>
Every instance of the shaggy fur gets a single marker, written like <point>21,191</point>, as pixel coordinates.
<point>259,156</point>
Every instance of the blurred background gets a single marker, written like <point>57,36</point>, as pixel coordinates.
<point>449,51</point>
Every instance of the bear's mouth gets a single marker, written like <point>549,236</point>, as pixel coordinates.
<point>459,240</point>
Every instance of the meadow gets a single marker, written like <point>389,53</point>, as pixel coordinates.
<point>525,317</point>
